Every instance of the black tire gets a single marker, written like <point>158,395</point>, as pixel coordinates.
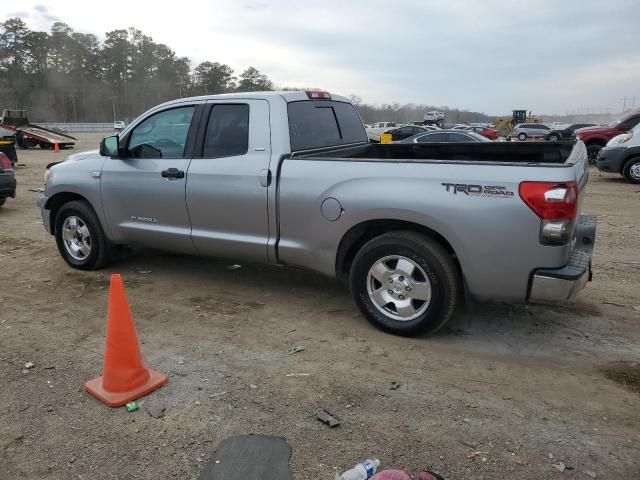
<point>434,261</point>
<point>2,201</point>
<point>593,150</point>
<point>100,248</point>
<point>630,175</point>
<point>554,138</point>
<point>522,136</point>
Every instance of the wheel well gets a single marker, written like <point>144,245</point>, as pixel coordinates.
<point>55,202</point>
<point>627,160</point>
<point>357,236</point>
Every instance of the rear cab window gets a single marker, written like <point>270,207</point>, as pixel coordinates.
<point>323,123</point>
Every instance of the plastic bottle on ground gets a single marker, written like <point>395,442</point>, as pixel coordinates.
<point>362,471</point>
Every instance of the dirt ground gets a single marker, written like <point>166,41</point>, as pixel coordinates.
<point>504,393</point>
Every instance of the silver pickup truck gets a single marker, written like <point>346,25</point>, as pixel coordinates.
<point>290,178</point>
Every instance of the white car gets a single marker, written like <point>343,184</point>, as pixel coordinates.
<point>435,116</point>
<point>119,125</point>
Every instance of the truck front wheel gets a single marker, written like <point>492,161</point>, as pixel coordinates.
<point>80,238</point>
<point>405,283</point>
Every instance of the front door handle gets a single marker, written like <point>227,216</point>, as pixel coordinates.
<point>172,173</point>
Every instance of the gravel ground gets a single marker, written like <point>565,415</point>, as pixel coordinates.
<point>504,393</point>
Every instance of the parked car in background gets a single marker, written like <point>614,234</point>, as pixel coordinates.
<point>118,125</point>
<point>566,132</point>
<point>434,118</point>
<point>523,131</point>
<point>490,133</point>
<point>406,131</point>
<point>595,138</point>
<point>622,155</point>
<point>384,125</point>
<point>446,136</point>
<point>378,129</point>
<point>7,179</point>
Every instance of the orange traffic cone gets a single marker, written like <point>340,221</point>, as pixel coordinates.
<point>124,375</point>
<point>56,148</point>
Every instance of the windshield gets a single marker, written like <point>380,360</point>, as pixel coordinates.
<point>617,122</point>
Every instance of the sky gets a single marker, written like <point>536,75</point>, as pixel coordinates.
<point>547,56</point>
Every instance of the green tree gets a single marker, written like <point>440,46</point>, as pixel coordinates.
<point>251,80</point>
<point>213,78</point>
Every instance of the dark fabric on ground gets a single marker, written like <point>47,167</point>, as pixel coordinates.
<point>249,457</point>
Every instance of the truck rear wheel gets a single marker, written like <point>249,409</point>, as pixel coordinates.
<point>631,170</point>
<point>80,238</point>
<point>405,283</point>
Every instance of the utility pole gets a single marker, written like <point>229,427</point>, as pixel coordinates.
<point>624,102</point>
<point>113,104</point>
<point>73,102</point>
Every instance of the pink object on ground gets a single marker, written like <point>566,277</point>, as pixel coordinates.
<point>391,475</point>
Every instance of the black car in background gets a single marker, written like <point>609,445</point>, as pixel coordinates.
<point>565,133</point>
<point>406,131</point>
<point>7,179</point>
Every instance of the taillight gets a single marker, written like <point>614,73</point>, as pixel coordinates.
<point>318,95</point>
<point>550,200</point>
<point>557,206</point>
<point>5,163</point>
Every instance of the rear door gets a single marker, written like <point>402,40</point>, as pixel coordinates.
<point>143,194</point>
<point>228,179</point>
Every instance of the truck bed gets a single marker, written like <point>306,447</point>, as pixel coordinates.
<point>495,152</point>
<point>45,135</point>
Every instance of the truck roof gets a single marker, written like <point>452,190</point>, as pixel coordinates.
<point>288,96</point>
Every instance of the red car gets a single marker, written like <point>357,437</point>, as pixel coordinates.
<point>595,138</point>
<point>487,132</point>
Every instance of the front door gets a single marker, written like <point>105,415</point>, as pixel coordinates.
<point>228,179</point>
<point>143,193</point>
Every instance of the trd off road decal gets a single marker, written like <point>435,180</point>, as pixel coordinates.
<point>495,191</point>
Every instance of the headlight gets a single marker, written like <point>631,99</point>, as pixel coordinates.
<point>617,140</point>
<point>47,174</point>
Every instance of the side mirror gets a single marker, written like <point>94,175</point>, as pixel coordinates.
<point>109,146</point>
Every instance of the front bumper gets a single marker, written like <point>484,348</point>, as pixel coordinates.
<point>562,284</point>
<point>46,214</point>
<point>611,159</point>
<point>7,186</point>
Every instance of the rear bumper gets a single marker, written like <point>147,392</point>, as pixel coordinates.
<point>610,159</point>
<point>7,186</point>
<point>562,284</point>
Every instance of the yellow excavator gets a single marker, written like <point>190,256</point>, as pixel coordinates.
<point>504,126</point>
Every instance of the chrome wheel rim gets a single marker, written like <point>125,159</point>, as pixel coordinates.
<point>399,288</point>
<point>634,171</point>
<point>76,238</point>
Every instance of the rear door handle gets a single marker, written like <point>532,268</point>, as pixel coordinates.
<point>172,173</point>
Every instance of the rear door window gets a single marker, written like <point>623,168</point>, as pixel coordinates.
<point>315,124</point>
<point>227,132</point>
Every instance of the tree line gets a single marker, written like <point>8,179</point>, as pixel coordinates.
<point>68,76</point>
